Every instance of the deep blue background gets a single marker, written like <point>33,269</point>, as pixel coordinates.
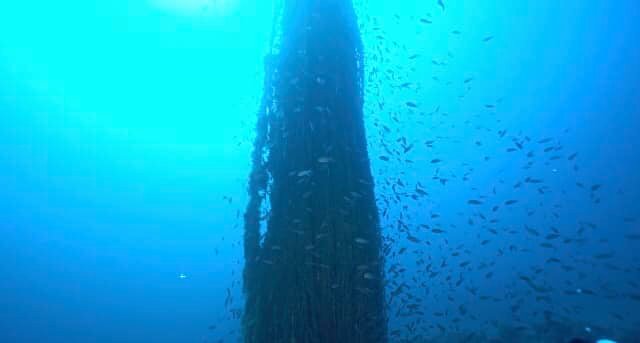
<point>124,125</point>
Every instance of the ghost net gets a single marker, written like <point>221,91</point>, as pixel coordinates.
<point>316,272</point>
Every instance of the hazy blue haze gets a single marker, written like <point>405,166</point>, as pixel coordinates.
<point>123,126</point>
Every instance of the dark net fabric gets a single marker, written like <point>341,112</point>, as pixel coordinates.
<point>316,273</point>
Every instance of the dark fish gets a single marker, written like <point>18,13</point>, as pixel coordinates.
<point>413,239</point>
<point>474,202</point>
<point>420,191</point>
<point>441,4</point>
<point>603,256</point>
<point>411,104</point>
<point>544,140</point>
<point>633,236</point>
<point>488,38</point>
<point>510,202</point>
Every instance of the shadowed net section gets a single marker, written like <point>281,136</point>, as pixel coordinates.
<point>316,272</point>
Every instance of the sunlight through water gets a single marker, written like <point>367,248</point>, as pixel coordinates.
<point>196,7</point>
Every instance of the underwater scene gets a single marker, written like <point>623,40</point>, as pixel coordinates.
<point>319,171</point>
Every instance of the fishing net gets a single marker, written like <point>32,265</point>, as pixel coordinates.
<point>313,265</point>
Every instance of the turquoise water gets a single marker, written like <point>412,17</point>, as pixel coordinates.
<point>126,130</point>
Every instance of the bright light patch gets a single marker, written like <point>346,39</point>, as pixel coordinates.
<point>195,7</point>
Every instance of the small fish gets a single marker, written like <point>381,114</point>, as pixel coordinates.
<point>325,159</point>
<point>441,4</point>
<point>532,231</point>
<point>474,202</point>
<point>487,38</point>
<point>545,140</point>
<point>361,240</point>
<point>633,237</point>
<point>603,256</point>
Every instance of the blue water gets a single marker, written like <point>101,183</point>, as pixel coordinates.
<point>126,129</point>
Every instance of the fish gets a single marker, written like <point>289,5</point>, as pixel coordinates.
<point>603,256</point>
<point>368,276</point>
<point>633,236</point>
<point>325,159</point>
<point>441,4</point>
<point>361,240</point>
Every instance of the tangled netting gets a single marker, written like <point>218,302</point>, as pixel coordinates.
<point>313,263</point>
